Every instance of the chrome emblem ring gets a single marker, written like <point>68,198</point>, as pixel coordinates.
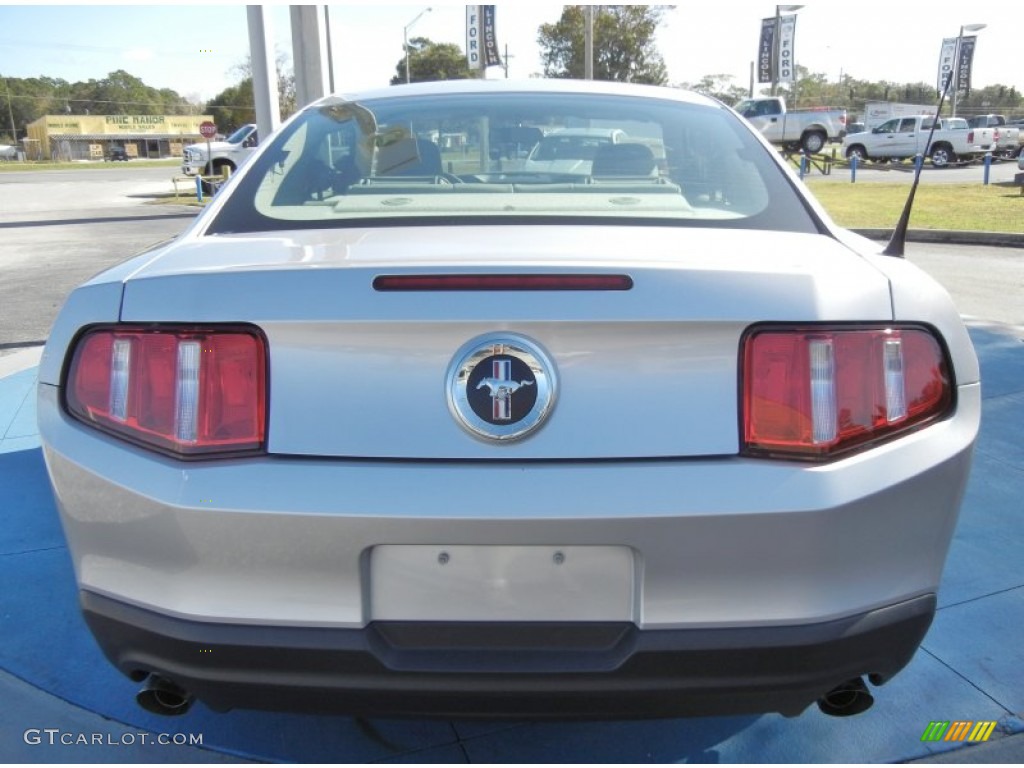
<point>501,387</point>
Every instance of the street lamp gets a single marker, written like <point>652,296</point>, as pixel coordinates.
<point>776,47</point>
<point>405,41</point>
<point>956,61</point>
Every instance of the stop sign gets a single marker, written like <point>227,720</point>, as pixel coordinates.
<point>207,129</point>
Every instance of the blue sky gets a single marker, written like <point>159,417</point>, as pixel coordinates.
<point>192,48</point>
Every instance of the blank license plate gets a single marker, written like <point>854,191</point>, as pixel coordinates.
<point>471,583</point>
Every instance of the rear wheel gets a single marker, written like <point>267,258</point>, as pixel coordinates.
<point>813,142</point>
<point>942,156</point>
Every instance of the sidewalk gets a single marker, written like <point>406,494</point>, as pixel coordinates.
<point>970,667</point>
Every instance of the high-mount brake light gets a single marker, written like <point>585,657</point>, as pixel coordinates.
<point>186,391</point>
<point>544,282</point>
<point>816,393</point>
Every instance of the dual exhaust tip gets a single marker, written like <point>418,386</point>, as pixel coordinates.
<point>850,698</point>
<point>162,697</point>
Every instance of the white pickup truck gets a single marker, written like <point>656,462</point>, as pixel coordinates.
<point>230,153</point>
<point>1008,138</point>
<point>904,137</point>
<point>806,129</point>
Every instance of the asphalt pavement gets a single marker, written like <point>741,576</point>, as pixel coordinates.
<point>65,703</point>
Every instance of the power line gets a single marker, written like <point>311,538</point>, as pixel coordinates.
<point>179,53</point>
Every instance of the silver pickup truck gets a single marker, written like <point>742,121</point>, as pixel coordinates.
<point>1008,138</point>
<point>806,129</point>
<point>904,137</point>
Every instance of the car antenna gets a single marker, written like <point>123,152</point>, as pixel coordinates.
<point>899,235</point>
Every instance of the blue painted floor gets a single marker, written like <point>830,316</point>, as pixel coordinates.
<point>971,666</point>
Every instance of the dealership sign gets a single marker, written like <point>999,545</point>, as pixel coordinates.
<point>481,41</point>
<point>780,32</point>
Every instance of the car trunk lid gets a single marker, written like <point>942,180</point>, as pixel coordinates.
<point>651,371</point>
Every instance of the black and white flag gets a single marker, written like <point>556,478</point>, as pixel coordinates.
<point>481,39</point>
<point>947,57</point>
<point>766,50</point>
<point>787,57</point>
<point>964,64</point>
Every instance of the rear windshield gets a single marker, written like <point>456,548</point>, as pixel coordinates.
<point>506,157</point>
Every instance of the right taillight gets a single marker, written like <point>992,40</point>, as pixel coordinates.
<point>815,393</point>
<point>187,391</point>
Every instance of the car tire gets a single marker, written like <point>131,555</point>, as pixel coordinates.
<point>813,142</point>
<point>942,156</point>
<point>857,151</point>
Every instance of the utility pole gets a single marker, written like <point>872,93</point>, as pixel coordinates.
<point>10,113</point>
<point>504,63</point>
<point>588,42</point>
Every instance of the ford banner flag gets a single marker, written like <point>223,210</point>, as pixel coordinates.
<point>481,40</point>
<point>787,58</point>
<point>946,62</point>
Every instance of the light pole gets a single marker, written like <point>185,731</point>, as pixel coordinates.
<point>405,41</point>
<point>956,61</point>
<point>776,46</point>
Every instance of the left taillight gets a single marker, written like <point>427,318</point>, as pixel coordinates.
<point>186,391</point>
<point>817,393</point>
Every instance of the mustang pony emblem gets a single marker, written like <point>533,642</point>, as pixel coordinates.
<point>501,386</point>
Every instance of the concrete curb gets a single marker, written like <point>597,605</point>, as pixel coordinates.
<point>19,359</point>
<point>951,237</point>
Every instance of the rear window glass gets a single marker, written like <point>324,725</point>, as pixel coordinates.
<point>480,157</point>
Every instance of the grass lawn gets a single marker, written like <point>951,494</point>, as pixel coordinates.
<point>968,207</point>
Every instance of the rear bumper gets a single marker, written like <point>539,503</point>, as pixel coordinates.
<point>537,670</point>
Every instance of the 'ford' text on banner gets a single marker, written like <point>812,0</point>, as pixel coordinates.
<point>481,40</point>
<point>787,58</point>
<point>947,55</point>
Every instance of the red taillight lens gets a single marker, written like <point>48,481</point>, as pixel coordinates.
<point>817,393</point>
<point>185,391</point>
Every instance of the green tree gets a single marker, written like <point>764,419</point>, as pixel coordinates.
<point>121,93</point>
<point>118,93</point>
<point>998,99</point>
<point>719,87</point>
<point>624,48</point>
<point>429,61</point>
<point>233,107</point>
<point>241,98</point>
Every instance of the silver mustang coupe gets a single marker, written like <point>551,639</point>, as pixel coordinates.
<point>402,426</point>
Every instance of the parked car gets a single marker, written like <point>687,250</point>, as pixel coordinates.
<point>213,158</point>
<point>571,150</point>
<point>906,137</point>
<point>1008,136</point>
<point>8,152</point>
<point>808,130</point>
<point>117,153</point>
<point>397,430</point>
